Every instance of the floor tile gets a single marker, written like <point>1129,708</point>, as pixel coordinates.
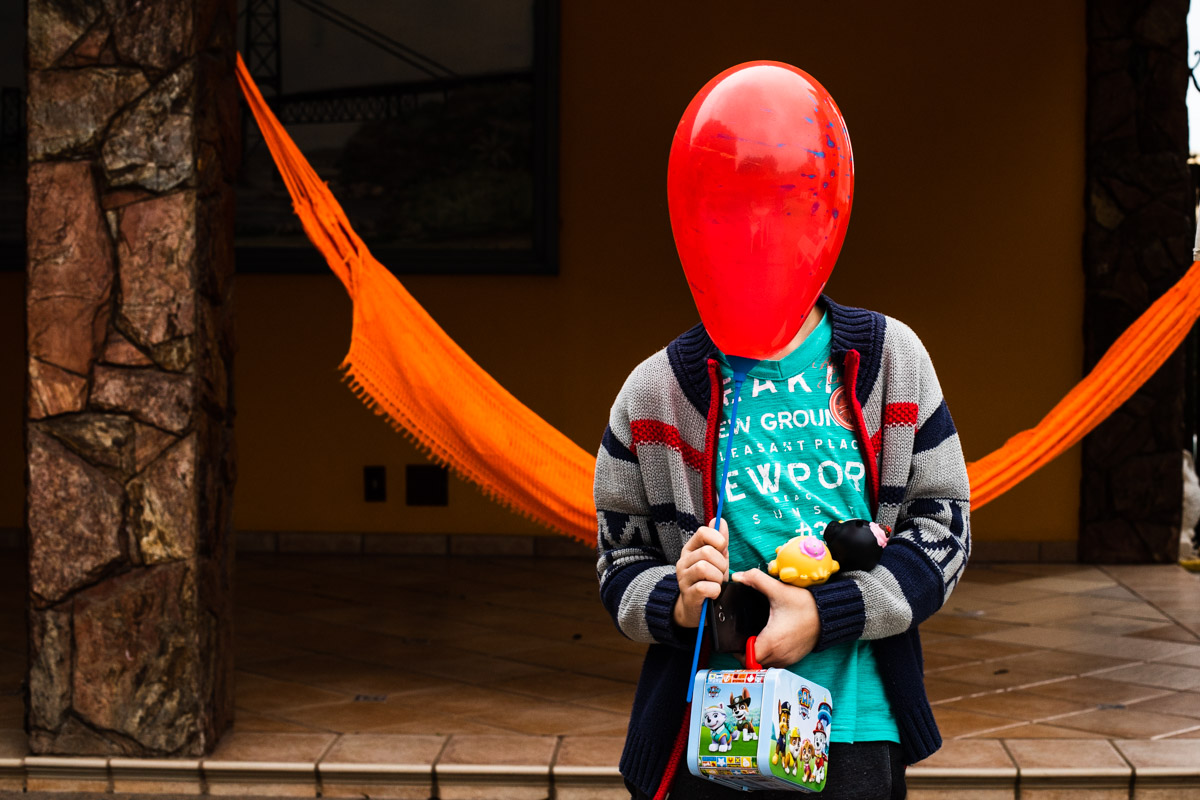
<point>508,750</point>
<point>1188,659</point>
<point>1192,734</point>
<point>985,574</point>
<point>1036,730</point>
<point>1000,593</point>
<point>1166,753</point>
<point>442,725</point>
<point>1075,583</point>
<point>261,694</point>
<point>961,626</point>
<point>1051,754</point>
<point>566,686</point>
<point>970,754</point>
<point>346,676</point>
<point>939,661</point>
<point>952,724</point>
<point>1143,648</point>
<point>356,717</point>
<point>1097,690</point>
<point>465,768</point>
<point>1060,662</point>
<point>1126,723</point>
<point>979,649</point>
<point>1020,704</point>
<point>940,690</point>
<point>266,723</point>
<point>990,675</point>
<point>585,659</point>
<point>385,749</point>
<point>1170,633</point>
<point>1184,704</point>
<point>589,751</point>
<point>1057,639</point>
<point>1106,624</point>
<point>554,718</point>
<point>620,702</point>
<point>1166,676</point>
<point>277,747</point>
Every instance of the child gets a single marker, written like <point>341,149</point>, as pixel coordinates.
<point>848,422</point>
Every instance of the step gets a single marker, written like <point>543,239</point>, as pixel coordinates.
<point>579,767</point>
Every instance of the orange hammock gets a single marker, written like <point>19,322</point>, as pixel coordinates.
<point>400,360</point>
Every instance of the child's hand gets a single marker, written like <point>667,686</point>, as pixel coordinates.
<point>793,626</point>
<point>701,569</point>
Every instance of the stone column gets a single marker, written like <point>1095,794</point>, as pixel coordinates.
<point>1138,242</point>
<point>133,140</point>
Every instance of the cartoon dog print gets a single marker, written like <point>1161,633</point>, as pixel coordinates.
<point>740,706</point>
<point>784,712</point>
<point>808,757</point>
<point>821,748</point>
<point>792,757</point>
<point>716,720</point>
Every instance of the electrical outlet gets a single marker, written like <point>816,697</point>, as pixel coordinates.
<point>426,485</point>
<point>375,484</point>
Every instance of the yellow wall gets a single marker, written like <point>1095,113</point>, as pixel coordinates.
<point>967,125</point>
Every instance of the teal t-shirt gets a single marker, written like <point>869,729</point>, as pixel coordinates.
<point>795,467</point>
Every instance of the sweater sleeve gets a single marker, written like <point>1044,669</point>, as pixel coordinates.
<point>637,580</point>
<point>931,542</point>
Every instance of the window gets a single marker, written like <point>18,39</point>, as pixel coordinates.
<point>433,121</point>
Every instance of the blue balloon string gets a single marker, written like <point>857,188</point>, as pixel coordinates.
<point>740,367</point>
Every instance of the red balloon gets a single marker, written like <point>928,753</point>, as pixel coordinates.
<point>759,185</point>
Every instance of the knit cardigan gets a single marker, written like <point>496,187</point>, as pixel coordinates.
<point>654,487</point>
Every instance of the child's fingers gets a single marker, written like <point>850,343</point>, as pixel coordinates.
<point>713,556</point>
<point>706,536</point>
<point>707,554</point>
<point>704,571</point>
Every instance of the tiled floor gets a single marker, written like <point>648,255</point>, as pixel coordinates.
<point>344,657</point>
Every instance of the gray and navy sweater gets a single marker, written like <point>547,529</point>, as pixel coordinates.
<point>655,486</point>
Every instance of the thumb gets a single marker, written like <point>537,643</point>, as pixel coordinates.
<point>712,523</point>
<point>757,579</point>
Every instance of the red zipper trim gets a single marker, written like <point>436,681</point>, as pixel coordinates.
<point>851,379</point>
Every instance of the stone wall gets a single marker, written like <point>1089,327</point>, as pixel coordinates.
<point>133,136</point>
<point>1138,242</point>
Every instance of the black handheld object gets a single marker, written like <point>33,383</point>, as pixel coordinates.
<point>738,613</point>
<point>855,543</point>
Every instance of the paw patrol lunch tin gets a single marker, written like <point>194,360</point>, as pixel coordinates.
<point>760,729</point>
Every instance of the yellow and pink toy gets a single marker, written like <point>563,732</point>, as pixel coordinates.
<point>803,561</point>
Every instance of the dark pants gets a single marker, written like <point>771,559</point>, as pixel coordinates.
<point>859,771</point>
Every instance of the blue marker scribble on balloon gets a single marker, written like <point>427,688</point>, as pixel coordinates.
<point>832,173</point>
<point>817,153</point>
<point>809,120</point>
<point>825,185</point>
<point>814,209</point>
<point>835,213</point>
<point>829,141</point>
